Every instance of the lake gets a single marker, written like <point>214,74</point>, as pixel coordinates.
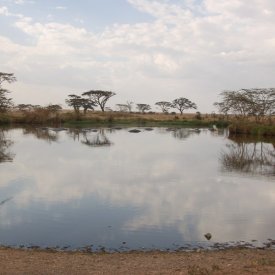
<point>115,190</point>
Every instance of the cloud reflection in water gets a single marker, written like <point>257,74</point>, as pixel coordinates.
<point>148,183</point>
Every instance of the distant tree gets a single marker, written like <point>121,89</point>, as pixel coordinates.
<point>54,108</point>
<point>5,102</point>
<point>256,102</point>
<point>198,115</point>
<point>24,107</point>
<point>235,102</point>
<point>129,106</point>
<point>261,102</point>
<point>74,101</point>
<point>143,107</point>
<point>183,104</point>
<point>164,106</point>
<point>78,102</point>
<point>99,97</point>
<point>108,109</point>
<point>122,107</point>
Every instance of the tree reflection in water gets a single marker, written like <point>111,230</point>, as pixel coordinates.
<point>43,133</point>
<point>90,137</point>
<point>5,143</point>
<point>184,133</point>
<point>96,139</point>
<point>250,156</point>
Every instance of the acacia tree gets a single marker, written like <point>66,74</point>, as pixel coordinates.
<point>54,108</point>
<point>256,102</point>
<point>143,107</point>
<point>183,104</point>
<point>99,97</point>
<point>164,106</point>
<point>236,102</point>
<point>261,102</point>
<point>78,102</point>
<point>24,107</point>
<point>5,102</point>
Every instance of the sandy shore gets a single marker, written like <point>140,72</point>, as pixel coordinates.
<point>231,261</point>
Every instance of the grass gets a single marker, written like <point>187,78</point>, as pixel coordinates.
<point>254,129</point>
<point>96,118</point>
<point>69,118</point>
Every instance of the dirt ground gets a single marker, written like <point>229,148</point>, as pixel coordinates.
<point>231,261</point>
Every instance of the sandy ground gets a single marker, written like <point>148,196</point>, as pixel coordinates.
<point>231,261</point>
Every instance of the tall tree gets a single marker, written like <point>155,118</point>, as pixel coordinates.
<point>99,97</point>
<point>164,106</point>
<point>183,104</point>
<point>5,102</point>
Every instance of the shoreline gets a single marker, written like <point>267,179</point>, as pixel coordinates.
<point>229,261</point>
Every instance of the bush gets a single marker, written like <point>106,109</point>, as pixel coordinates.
<point>198,116</point>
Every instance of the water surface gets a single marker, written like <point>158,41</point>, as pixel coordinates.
<point>112,189</point>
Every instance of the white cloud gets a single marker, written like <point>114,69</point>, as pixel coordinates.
<point>19,2</point>
<point>60,8</point>
<point>197,48</point>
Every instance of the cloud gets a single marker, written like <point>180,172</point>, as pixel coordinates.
<point>19,2</point>
<point>60,8</point>
<point>199,48</point>
<point>4,11</point>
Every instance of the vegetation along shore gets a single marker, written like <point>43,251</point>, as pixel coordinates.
<point>246,111</point>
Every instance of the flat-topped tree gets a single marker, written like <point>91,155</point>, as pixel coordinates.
<point>183,104</point>
<point>75,102</point>
<point>5,102</point>
<point>54,108</point>
<point>99,97</point>
<point>78,102</point>
<point>143,107</point>
<point>164,106</point>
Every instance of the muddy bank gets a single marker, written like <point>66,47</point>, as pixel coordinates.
<point>229,261</point>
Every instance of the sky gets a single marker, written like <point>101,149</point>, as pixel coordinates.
<point>144,51</point>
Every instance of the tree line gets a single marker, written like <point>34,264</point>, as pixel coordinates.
<point>243,103</point>
<point>93,98</point>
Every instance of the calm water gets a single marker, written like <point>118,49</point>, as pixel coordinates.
<point>155,189</point>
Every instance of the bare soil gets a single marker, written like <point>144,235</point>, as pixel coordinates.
<point>230,261</point>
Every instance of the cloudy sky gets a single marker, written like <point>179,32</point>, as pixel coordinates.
<point>143,50</point>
